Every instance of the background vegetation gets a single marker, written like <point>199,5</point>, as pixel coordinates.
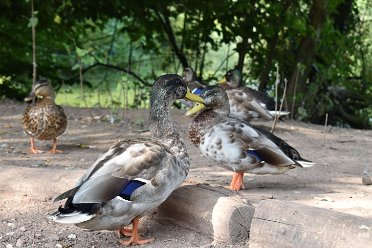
<point>321,48</point>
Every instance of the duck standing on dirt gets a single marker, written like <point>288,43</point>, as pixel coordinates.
<point>247,103</point>
<point>134,176</point>
<point>235,144</point>
<point>43,119</point>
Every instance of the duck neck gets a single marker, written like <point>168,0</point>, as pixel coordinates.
<point>162,127</point>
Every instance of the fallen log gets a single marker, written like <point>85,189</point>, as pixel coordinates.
<point>287,224</point>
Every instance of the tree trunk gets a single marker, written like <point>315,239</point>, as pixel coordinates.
<point>306,52</point>
<point>242,49</point>
<point>264,77</point>
<point>164,20</point>
<point>271,54</point>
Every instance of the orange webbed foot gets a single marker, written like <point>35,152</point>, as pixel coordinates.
<point>125,231</point>
<point>54,151</point>
<point>136,241</point>
<point>34,151</point>
<point>135,238</point>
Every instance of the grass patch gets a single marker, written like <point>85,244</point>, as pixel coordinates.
<point>71,96</point>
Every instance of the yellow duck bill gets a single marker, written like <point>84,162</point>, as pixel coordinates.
<point>222,81</point>
<point>193,97</point>
<point>197,108</point>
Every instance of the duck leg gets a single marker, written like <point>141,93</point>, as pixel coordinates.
<point>33,148</point>
<point>237,181</point>
<point>135,238</point>
<point>126,231</point>
<point>54,148</point>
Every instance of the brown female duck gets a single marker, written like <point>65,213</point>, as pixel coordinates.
<point>43,119</point>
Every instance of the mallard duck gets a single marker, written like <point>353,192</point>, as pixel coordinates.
<point>195,86</point>
<point>133,176</point>
<point>247,103</point>
<point>235,144</point>
<point>43,119</point>
<point>190,78</point>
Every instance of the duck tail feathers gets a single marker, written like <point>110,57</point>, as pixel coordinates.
<point>280,113</point>
<point>305,163</point>
<point>70,218</point>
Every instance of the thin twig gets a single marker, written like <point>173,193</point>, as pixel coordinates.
<point>33,28</point>
<point>81,81</point>
<point>325,129</point>
<point>277,81</point>
<point>281,106</point>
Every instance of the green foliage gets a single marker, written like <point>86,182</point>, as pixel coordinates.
<point>123,46</point>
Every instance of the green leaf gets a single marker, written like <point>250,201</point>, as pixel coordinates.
<point>32,22</point>
<point>75,67</point>
<point>57,19</point>
<point>81,52</point>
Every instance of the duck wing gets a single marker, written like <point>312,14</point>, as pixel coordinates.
<point>254,143</point>
<point>124,162</point>
<point>241,100</point>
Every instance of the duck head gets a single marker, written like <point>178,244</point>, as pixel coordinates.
<point>231,80</point>
<point>215,98</point>
<point>42,89</point>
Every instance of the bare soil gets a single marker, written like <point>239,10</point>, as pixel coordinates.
<point>335,182</point>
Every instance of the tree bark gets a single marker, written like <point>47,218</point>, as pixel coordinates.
<point>242,49</point>
<point>306,52</point>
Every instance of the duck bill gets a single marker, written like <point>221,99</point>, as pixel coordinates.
<point>194,98</point>
<point>197,108</point>
<point>222,81</point>
<point>30,97</point>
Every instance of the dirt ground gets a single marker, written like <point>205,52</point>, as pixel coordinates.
<point>335,182</point>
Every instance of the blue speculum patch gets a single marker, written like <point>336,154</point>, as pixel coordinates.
<point>255,154</point>
<point>197,91</point>
<point>129,188</point>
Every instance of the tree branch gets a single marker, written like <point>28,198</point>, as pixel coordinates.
<point>164,20</point>
<point>115,67</point>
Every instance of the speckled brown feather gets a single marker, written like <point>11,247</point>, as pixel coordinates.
<point>195,129</point>
<point>44,120</point>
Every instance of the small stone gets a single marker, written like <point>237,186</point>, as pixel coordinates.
<point>9,246</point>
<point>19,243</point>
<point>54,237</point>
<point>71,236</point>
<point>366,180</point>
<point>10,234</point>
<point>12,226</point>
<point>37,235</point>
<point>58,245</point>
<point>49,245</point>
<point>22,229</point>
<point>38,164</point>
